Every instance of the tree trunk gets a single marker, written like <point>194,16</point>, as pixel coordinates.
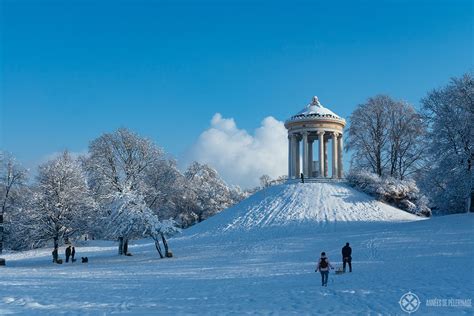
<point>471,209</point>
<point>468,203</point>
<point>158,248</point>
<point>120,247</point>
<point>1,233</point>
<point>56,242</point>
<point>165,244</point>
<point>469,206</point>
<point>379,163</point>
<point>125,246</point>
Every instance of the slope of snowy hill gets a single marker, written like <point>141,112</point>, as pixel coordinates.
<point>251,264</point>
<point>309,203</point>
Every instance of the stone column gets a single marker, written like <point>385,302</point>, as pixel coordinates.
<point>290,159</point>
<point>321,153</point>
<point>293,155</point>
<point>339,158</point>
<point>326,167</point>
<point>305,154</point>
<point>297,157</point>
<point>334,155</point>
<point>310,159</point>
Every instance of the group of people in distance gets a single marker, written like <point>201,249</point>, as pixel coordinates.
<point>324,265</point>
<point>70,253</point>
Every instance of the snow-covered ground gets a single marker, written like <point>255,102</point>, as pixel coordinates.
<point>264,268</point>
<point>319,204</point>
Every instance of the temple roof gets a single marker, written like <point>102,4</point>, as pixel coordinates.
<point>315,110</point>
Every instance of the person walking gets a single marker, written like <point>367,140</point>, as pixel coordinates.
<point>73,253</point>
<point>68,253</point>
<point>347,257</point>
<point>323,267</point>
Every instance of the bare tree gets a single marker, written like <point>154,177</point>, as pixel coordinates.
<point>12,178</point>
<point>405,140</point>
<point>265,181</point>
<point>386,137</point>
<point>368,134</point>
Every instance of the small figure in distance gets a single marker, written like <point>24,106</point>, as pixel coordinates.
<point>323,267</point>
<point>73,253</point>
<point>302,178</point>
<point>346,257</point>
<point>68,253</point>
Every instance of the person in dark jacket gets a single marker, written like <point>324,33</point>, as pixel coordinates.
<point>73,253</point>
<point>346,257</point>
<point>68,253</point>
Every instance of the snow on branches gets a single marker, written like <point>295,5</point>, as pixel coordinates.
<point>131,218</point>
<point>449,176</point>
<point>403,194</point>
<point>61,200</point>
<point>211,192</point>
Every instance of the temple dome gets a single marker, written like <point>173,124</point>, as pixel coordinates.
<point>315,110</point>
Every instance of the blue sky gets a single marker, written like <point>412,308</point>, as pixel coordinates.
<point>71,70</point>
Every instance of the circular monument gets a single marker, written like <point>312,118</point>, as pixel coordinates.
<point>315,123</point>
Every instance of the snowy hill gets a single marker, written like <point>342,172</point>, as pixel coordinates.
<point>309,203</point>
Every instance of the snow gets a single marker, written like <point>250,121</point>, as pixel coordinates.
<point>261,264</point>
<point>320,204</point>
<point>315,108</point>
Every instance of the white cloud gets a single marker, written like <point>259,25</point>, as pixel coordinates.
<point>239,157</point>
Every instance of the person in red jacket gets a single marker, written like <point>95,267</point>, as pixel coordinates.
<point>323,267</point>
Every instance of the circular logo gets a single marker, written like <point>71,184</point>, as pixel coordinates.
<point>409,302</point>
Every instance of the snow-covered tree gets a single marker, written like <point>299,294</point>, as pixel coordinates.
<point>212,193</point>
<point>63,206</point>
<point>13,179</point>
<point>131,218</point>
<point>120,162</point>
<point>449,113</point>
<point>157,230</point>
<point>385,136</point>
<point>19,233</point>
<point>128,218</point>
<point>168,192</point>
